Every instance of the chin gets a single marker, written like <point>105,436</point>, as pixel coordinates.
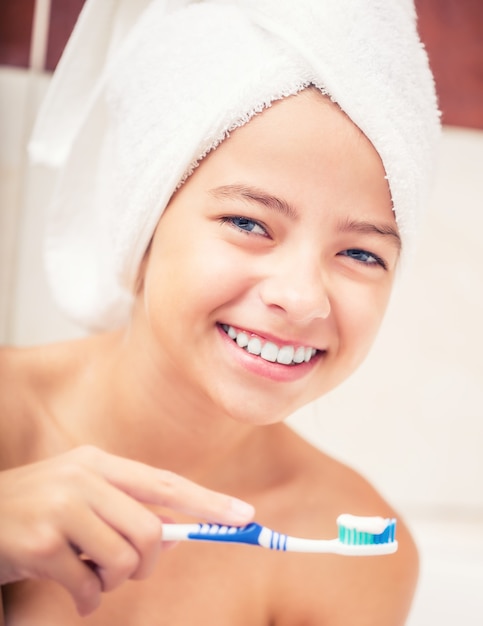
<point>258,412</point>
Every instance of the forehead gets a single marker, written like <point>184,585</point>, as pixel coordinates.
<point>301,158</point>
<point>299,143</point>
<point>305,123</point>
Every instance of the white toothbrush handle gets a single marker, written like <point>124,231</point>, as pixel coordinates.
<point>334,546</point>
<point>178,532</point>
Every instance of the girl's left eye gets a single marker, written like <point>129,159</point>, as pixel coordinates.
<point>245,224</point>
<point>368,258</point>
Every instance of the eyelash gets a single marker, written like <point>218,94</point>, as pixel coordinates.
<point>352,252</point>
<point>232,219</point>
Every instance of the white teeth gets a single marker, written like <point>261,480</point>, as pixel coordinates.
<point>269,351</point>
<point>285,355</point>
<point>254,346</point>
<point>242,340</point>
<point>299,355</point>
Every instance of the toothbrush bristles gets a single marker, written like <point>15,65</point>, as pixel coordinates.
<point>356,537</point>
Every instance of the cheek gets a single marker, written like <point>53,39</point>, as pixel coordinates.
<point>360,317</point>
<point>194,279</point>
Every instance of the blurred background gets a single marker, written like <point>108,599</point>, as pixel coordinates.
<point>411,419</point>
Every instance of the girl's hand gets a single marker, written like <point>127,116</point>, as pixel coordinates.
<point>78,519</point>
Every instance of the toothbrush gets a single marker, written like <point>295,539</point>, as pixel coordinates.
<point>358,536</point>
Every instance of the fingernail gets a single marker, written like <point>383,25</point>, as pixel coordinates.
<point>241,509</point>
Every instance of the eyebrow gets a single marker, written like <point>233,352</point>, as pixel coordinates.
<point>256,195</point>
<point>369,228</point>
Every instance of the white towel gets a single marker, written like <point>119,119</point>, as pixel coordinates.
<point>146,89</point>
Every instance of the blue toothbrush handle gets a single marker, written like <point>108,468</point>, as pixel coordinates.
<point>252,534</point>
<point>233,534</point>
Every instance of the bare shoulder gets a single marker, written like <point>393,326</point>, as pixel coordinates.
<point>340,590</point>
<point>27,376</point>
<point>14,399</point>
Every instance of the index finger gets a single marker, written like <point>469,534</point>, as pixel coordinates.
<point>165,488</point>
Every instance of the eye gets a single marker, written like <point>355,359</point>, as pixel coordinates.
<point>245,224</point>
<point>363,256</point>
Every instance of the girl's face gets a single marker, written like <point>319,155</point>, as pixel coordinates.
<point>270,270</point>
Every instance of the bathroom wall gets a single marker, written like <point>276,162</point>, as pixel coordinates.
<point>26,312</point>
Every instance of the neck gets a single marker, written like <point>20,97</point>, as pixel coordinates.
<point>134,407</point>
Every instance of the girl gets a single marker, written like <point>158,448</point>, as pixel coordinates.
<point>262,286</point>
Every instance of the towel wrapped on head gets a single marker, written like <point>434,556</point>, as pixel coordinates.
<point>146,89</point>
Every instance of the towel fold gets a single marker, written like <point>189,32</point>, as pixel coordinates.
<point>147,88</point>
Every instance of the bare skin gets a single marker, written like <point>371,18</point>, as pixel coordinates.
<point>302,492</point>
<point>86,425</point>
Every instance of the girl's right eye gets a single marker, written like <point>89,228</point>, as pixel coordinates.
<point>245,224</point>
<point>363,256</point>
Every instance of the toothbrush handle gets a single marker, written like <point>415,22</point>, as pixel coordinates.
<point>250,534</point>
<point>257,535</point>
<point>178,532</point>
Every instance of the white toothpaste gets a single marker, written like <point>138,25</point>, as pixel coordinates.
<point>373,525</point>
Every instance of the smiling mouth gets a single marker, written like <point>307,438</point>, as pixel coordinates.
<point>269,351</point>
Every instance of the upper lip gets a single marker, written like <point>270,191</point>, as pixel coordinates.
<point>276,340</point>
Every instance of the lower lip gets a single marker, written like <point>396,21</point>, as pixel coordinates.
<point>273,371</point>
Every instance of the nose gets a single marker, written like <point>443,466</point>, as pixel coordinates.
<point>297,290</point>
